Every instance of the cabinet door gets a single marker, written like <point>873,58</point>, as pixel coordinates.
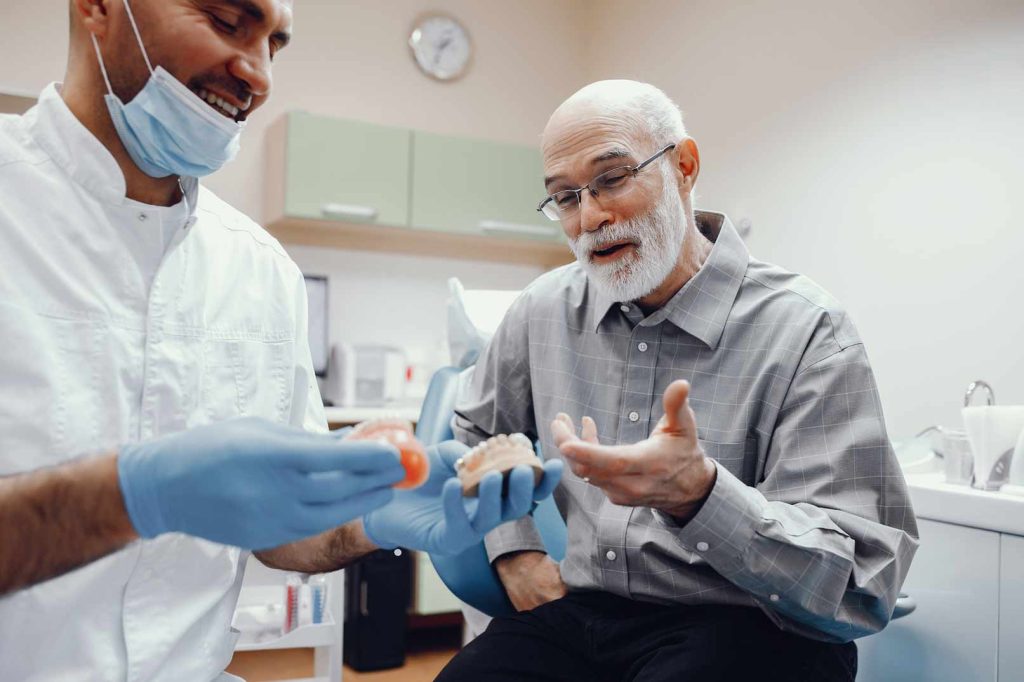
<point>952,636</point>
<point>346,170</point>
<point>1011,609</point>
<point>478,187</point>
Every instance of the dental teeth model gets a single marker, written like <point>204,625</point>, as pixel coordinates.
<point>399,433</point>
<point>500,453</point>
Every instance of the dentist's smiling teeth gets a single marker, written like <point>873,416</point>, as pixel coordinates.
<point>225,108</point>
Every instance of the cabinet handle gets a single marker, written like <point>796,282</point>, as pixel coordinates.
<point>363,606</point>
<point>499,227</point>
<point>349,211</point>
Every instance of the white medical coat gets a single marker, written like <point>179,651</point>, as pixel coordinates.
<point>119,322</point>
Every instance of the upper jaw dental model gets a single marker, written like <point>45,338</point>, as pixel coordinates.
<point>500,453</point>
<point>399,433</point>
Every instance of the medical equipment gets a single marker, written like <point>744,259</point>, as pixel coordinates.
<point>318,597</point>
<point>318,322</point>
<point>365,375</point>
<point>292,596</point>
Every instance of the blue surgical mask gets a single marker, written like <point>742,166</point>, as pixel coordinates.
<point>166,128</point>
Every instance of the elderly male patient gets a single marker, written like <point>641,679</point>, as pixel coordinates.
<point>735,510</point>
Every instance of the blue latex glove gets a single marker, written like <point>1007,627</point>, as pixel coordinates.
<point>436,518</point>
<point>252,483</point>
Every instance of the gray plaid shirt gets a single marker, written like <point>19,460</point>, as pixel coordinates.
<point>809,518</point>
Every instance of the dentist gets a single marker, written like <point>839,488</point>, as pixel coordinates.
<point>160,414</point>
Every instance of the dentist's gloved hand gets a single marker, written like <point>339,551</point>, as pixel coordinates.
<point>252,483</point>
<point>436,518</point>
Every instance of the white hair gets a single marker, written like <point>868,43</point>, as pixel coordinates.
<point>642,106</point>
<point>661,117</point>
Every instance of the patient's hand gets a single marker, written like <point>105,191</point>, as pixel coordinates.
<point>531,579</point>
<point>667,471</point>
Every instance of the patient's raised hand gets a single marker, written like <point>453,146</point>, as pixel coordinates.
<point>666,471</point>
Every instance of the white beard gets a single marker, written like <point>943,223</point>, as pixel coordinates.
<point>659,238</point>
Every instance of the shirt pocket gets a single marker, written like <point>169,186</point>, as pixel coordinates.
<point>246,378</point>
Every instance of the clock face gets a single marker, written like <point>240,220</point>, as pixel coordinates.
<point>441,47</point>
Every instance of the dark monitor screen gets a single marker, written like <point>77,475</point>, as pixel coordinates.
<point>319,346</point>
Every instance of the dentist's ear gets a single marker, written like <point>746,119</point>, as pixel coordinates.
<point>92,15</point>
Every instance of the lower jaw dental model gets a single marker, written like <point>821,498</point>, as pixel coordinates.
<point>500,453</point>
<point>399,433</point>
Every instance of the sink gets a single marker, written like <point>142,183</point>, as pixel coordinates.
<point>916,455</point>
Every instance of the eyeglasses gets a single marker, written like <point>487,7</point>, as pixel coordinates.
<point>610,184</point>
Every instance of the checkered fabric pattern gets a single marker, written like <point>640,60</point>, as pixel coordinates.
<point>809,518</point>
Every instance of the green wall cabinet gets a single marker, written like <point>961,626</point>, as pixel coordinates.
<point>346,170</point>
<point>478,187</point>
<point>354,185</point>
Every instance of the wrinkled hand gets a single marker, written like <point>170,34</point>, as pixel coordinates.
<point>531,579</point>
<point>667,471</point>
<point>436,518</point>
<point>253,483</point>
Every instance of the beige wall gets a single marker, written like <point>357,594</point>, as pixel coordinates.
<point>350,59</point>
<point>877,147</point>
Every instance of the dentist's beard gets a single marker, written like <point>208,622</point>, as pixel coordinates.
<point>659,238</point>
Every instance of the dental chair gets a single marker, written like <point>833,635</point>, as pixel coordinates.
<point>469,575</point>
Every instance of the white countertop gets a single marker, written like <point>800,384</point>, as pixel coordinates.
<point>937,500</point>
<point>355,415</point>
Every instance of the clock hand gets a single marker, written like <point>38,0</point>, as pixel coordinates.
<point>440,49</point>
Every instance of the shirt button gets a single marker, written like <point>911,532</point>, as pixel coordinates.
<point>774,597</point>
<point>642,346</point>
<point>702,546</point>
<point>634,416</point>
<point>142,217</point>
<point>624,308</point>
<point>610,554</point>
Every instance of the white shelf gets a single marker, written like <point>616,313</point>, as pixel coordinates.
<point>355,415</point>
<point>264,586</point>
<point>305,637</point>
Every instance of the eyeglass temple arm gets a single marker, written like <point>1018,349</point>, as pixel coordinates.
<point>651,160</point>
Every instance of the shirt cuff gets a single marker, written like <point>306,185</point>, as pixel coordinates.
<point>515,536</point>
<point>723,529</point>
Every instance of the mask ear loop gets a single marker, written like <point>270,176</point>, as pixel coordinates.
<point>138,37</point>
<point>99,58</point>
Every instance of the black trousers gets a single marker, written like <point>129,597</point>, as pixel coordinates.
<point>599,636</point>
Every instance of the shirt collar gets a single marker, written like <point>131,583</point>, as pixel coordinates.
<point>82,156</point>
<point>701,307</point>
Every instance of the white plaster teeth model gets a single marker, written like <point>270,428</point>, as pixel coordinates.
<point>502,454</point>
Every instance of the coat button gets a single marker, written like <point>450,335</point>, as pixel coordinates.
<point>610,554</point>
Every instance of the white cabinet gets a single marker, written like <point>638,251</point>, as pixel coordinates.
<point>1011,609</point>
<point>953,636</point>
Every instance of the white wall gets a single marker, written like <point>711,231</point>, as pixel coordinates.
<point>350,59</point>
<point>877,147</point>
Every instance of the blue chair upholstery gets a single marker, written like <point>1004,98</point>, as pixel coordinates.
<point>469,575</point>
